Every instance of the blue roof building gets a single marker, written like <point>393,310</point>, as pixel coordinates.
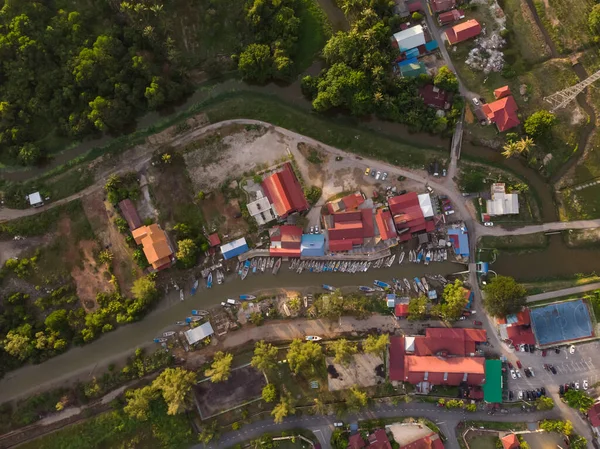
<point>391,300</point>
<point>460,241</point>
<point>235,248</point>
<point>312,245</point>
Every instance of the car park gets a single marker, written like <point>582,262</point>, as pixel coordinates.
<point>512,374</point>
<point>585,384</point>
<point>367,171</point>
<point>384,176</point>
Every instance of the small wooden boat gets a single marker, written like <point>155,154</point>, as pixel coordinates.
<point>366,289</point>
<point>427,257</point>
<point>181,294</point>
<point>180,323</point>
<point>329,287</point>
<point>168,334</point>
<point>209,280</point>
<point>382,284</point>
<point>191,319</point>
<point>312,338</point>
<point>220,277</point>
<point>277,266</point>
<point>245,270</point>
<point>419,256</point>
<point>194,287</point>
<point>247,297</point>
<point>160,340</point>
<point>425,284</point>
<point>411,256</point>
<point>199,312</point>
<point>419,284</point>
<point>401,258</point>
<point>408,286</point>
<point>390,261</point>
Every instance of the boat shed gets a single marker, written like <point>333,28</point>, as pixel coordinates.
<point>312,245</point>
<point>235,248</point>
<point>199,333</point>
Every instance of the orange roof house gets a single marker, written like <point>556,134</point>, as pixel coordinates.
<point>503,113</point>
<point>510,441</point>
<point>502,92</point>
<point>156,245</point>
<point>463,31</point>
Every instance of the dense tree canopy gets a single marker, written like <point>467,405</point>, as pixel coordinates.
<point>343,350</point>
<point>503,296</point>
<point>454,301</point>
<point>265,356</point>
<point>594,19</point>
<point>539,123</point>
<point>304,356</point>
<point>417,308</point>
<point>376,344</point>
<point>220,369</point>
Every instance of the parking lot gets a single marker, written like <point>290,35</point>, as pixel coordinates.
<point>584,364</point>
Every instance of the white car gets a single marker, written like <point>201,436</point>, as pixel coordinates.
<point>520,394</point>
<point>518,373</point>
<point>462,318</point>
<point>384,176</point>
<point>572,349</point>
<point>312,230</point>
<point>512,374</point>
<point>585,385</point>
<point>476,102</point>
<point>577,385</point>
<point>531,371</point>
<point>522,347</point>
<point>378,175</point>
<point>488,223</point>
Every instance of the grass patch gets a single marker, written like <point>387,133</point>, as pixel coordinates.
<point>482,441</point>
<point>496,425</point>
<point>550,285</point>
<point>442,390</point>
<point>314,32</point>
<point>516,243</point>
<point>566,22</point>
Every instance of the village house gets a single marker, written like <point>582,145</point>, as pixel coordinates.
<point>503,111</point>
<point>442,5</point>
<point>408,213</point>
<point>502,203</point>
<point>156,246</point>
<point>463,31</point>
<point>284,192</point>
<point>435,97</point>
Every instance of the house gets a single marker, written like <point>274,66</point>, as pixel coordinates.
<point>348,203</point>
<point>385,224</point>
<point>451,16</point>
<point>415,436</point>
<point>285,241</point>
<point>199,333</point>
<point>235,248</point>
<point>444,356</point>
<point>502,112</point>
<point>35,199</point>
<point>401,310</point>
<point>349,229</point>
<point>593,415</point>
<point>459,238</point>
<point>516,329</point>
<point>130,214</point>
<point>284,192</point>
<point>502,203</point>
<point>376,440</point>
<point>156,246</point>
<point>463,31</point>
<point>356,441</point>
<point>410,38</point>
<point>442,5</point>
<point>510,441</point>
<point>261,210</point>
<point>434,96</point>
<point>312,245</point>
<point>502,92</point>
<point>408,216</point>
<point>214,240</point>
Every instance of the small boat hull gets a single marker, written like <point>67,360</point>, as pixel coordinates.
<point>168,334</point>
<point>366,289</point>
<point>160,340</point>
<point>247,297</point>
<point>312,338</point>
<point>328,288</point>
<point>382,284</point>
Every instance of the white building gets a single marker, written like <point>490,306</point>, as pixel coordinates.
<point>199,333</point>
<point>261,210</point>
<point>410,38</point>
<point>35,199</point>
<point>425,204</point>
<point>502,203</point>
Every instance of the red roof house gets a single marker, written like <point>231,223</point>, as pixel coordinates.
<point>502,92</point>
<point>385,224</point>
<point>450,17</point>
<point>131,214</point>
<point>379,440</point>
<point>408,216</point>
<point>510,441</point>
<point>214,240</point>
<point>434,96</point>
<point>463,31</point>
<point>350,229</point>
<point>284,192</point>
<point>285,241</point>
<point>401,310</point>
<point>594,415</point>
<point>432,441</point>
<point>347,203</point>
<point>356,441</point>
<point>442,5</point>
<point>517,328</point>
<point>503,113</point>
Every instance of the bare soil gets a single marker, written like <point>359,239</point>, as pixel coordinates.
<point>220,215</point>
<point>91,279</point>
<point>10,249</point>
<point>360,372</point>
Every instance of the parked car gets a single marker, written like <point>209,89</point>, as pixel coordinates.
<point>488,223</point>
<point>449,212</point>
<point>477,323</point>
<point>520,396</point>
<point>512,374</point>
<point>338,424</point>
<point>572,349</point>
<point>429,189</point>
<point>543,390</point>
<point>552,369</point>
<point>510,365</point>
<point>577,385</point>
<point>557,350</point>
<point>384,176</point>
<point>561,389</point>
<point>444,172</point>
<point>510,395</point>
<point>378,175</point>
<point>585,384</point>
<point>532,348</point>
<point>463,318</point>
<point>544,353</point>
<point>531,371</point>
<point>527,373</point>
<point>518,373</point>
<point>373,172</point>
<point>476,102</point>
<point>519,364</point>
<point>367,171</point>
<point>566,387</point>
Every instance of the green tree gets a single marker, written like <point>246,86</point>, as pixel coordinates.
<point>417,308</point>
<point>138,402</point>
<point>503,296</point>
<point>446,80</point>
<point>339,439</point>
<point>539,123</point>
<point>577,442</point>
<point>304,356</point>
<point>511,149</point>
<point>269,393</point>
<point>209,432</point>
<point>594,19</point>
<point>579,400</point>
<point>265,356</point>
<point>144,290</point>
<point>257,318</point>
<point>105,257</point>
<point>357,399</point>
<point>564,427</point>
<point>320,407</point>
<point>58,321</point>
<point>454,300</point>
<point>376,345</point>
<point>29,154</point>
<point>187,253</point>
<point>526,144</point>
<point>544,403</point>
<point>284,408</point>
<point>18,342</point>
<point>256,63</point>
<point>175,385</point>
<point>472,408</point>
<point>220,369</point>
<point>344,350</point>
<point>416,16</point>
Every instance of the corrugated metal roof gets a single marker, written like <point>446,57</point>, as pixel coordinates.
<point>492,388</point>
<point>199,333</point>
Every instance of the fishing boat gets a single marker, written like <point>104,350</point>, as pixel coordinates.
<point>382,284</point>
<point>411,256</point>
<point>407,284</point>
<point>445,254</point>
<point>181,294</point>
<point>180,323</point>
<point>329,287</point>
<point>416,286</point>
<point>419,284</point>
<point>220,277</point>
<point>247,297</point>
<point>420,256</point>
<point>277,266</point>
<point>427,257</point>
<point>168,334</point>
<point>160,340</point>
<point>401,258</point>
<point>245,270</point>
<point>200,312</point>
<point>366,289</point>
<point>194,287</point>
<point>191,319</point>
<point>312,338</point>
<point>425,284</point>
<point>390,261</point>
<point>209,280</point>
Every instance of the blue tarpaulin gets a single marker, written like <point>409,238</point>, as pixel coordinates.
<point>412,53</point>
<point>431,45</point>
<point>407,61</point>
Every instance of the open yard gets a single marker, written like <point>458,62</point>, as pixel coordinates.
<point>482,440</point>
<point>365,370</point>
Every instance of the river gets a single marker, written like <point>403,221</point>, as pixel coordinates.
<point>92,359</point>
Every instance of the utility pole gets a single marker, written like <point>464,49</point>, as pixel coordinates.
<point>563,97</point>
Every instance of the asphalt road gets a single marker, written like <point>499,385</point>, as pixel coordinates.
<point>322,426</point>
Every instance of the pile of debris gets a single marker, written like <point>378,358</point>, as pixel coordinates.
<point>487,55</point>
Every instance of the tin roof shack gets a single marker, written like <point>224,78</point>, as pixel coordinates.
<point>449,17</point>
<point>235,248</point>
<point>199,333</point>
<point>442,5</point>
<point>502,203</point>
<point>459,238</point>
<point>410,38</point>
<point>312,245</point>
<point>156,246</point>
<point>35,199</point>
<point>408,216</point>
<point>285,192</point>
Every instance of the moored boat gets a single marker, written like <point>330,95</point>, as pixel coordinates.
<point>407,284</point>
<point>277,266</point>
<point>312,338</point>
<point>180,323</point>
<point>209,280</point>
<point>181,294</point>
<point>247,297</point>
<point>200,312</point>
<point>364,288</point>
<point>191,319</point>
<point>419,256</point>
<point>425,284</point>
<point>419,284</point>
<point>246,269</point>
<point>194,287</point>
<point>427,257</point>
<point>382,284</point>
<point>220,277</point>
<point>168,334</point>
<point>401,258</point>
<point>390,261</point>
<point>329,287</point>
<point>160,340</point>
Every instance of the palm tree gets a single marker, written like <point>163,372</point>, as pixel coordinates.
<point>526,144</point>
<point>320,407</point>
<point>510,149</point>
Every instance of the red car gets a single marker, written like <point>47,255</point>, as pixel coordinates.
<point>519,364</point>
<point>477,323</point>
<point>510,365</point>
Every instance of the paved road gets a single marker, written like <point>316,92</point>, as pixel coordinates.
<point>564,292</point>
<point>322,426</point>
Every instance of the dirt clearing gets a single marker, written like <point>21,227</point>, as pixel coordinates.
<point>365,370</point>
<point>220,214</point>
<point>90,279</point>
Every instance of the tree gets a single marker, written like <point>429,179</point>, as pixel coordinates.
<point>577,442</point>
<point>284,408</point>
<point>454,301</point>
<point>187,253</point>
<point>209,432</point>
<point>417,308</point>
<point>594,19</point>
<point>256,63</point>
<point>105,257</point>
<point>29,154</point>
<point>58,321</point>
<point>344,350</point>
<point>376,345</point>
<point>510,149</point>
<point>526,144</point>
<point>269,393</point>
<point>544,403</point>
<point>220,369</point>
<point>138,402</point>
<point>265,356</point>
<point>579,400</point>
<point>446,80</point>
<point>304,356</point>
<point>144,289</point>
<point>564,427</point>
<point>357,399</point>
<point>18,342</point>
<point>416,16</point>
<point>339,439</point>
<point>257,318</point>
<point>176,385</point>
<point>320,407</point>
<point>471,408</point>
<point>539,123</point>
<point>503,296</point>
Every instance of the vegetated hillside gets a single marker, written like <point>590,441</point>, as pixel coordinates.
<point>70,69</point>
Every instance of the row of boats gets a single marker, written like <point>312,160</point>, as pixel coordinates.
<point>259,264</point>
<point>426,256</point>
<point>419,285</point>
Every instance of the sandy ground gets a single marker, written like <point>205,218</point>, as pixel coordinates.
<point>91,279</point>
<point>404,434</point>
<point>360,372</point>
